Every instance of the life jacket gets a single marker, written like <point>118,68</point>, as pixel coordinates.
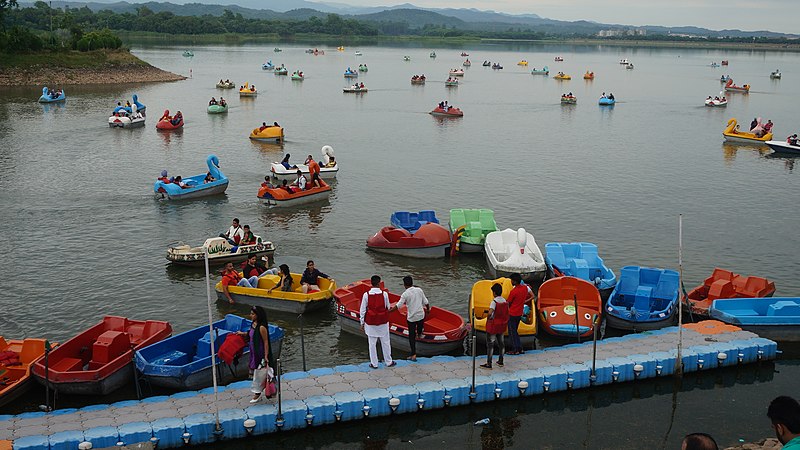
<point>377,314</point>
<point>499,323</point>
<point>232,348</point>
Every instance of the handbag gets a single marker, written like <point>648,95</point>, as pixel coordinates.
<point>264,381</point>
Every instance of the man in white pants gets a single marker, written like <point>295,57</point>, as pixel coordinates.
<point>374,314</point>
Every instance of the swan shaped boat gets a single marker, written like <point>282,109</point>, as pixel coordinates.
<point>270,133</point>
<point>49,96</point>
<point>644,299</point>
<point>723,284</point>
<point>196,186</point>
<point>268,65</point>
<point>514,251</point>
<point>569,307</point>
<point>247,91</point>
<point>124,119</point>
<point>349,73</point>
<point>431,240</point>
<point>270,296</point>
<point>479,300</point>
<point>543,71</point>
<point>580,260</point>
<point>444,330</point>
<point>139,107</point>
<point>562,76</point>
<point>220,251</point>
<point>280,197</point>
<point>326,171</point>
<point>730,87</point>
<point>732,133</point>
<point>166,122</point>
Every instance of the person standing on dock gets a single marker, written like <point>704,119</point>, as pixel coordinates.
<point>374,313</point>
<point>417,307</point>
<point>784,412</point>
<point>516,306</point>
<point>496,325</point>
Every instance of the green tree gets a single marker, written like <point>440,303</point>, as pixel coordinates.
<point>5,5</point>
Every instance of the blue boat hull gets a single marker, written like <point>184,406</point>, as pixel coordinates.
<point>621,323</point>
<point>776,318</point>
<point>197,185</point>
<point>644,299</point>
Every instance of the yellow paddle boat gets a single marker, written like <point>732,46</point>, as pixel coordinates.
<point>341,49</point>
<point>294,301</point>
<point>732,133</point>
<point>522,63</point>
<point>267,133</point>
<point>588,75</point>
<point>248,91</point>
<point>562,76</point>
<point>479,301</point>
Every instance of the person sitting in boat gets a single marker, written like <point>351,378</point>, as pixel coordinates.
<point>209,178</point>
<point>331,162</point>
<point>610,96</point>
<point>708,98</point>
<point>223,102</point>
<point>285,186</point>
<point>313,171</point>
<point>792,140</point>
<point>301,181</point>
<point>267,183</point>
<point>362,85</point>
<point>177,118</point>
<point>220,81</point>
<point>128,104</point>
<point>231,276</point>
<point>179,181</point>
<point>213,101</point>
<point>262,127</point>
<point>249,238</point>
<point>234,234</point>
<point>285,162</point>
<point>163,178</point>
<point>754,124</point>
<point>285,283</point>
<point>768,127</point>
<point>250,267</point>
<point>310,278</point>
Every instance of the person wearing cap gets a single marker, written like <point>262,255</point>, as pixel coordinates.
<point>374,313</point>
<point>163,178</point>
<point>417,307</point>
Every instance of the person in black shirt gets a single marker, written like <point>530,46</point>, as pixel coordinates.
<point>310,277</point>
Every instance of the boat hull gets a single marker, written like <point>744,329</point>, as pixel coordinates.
<point>105,386</point>
<point>297,201</point>
<point>220,260</point>
<point>624,324</point>
<point>784,147</point>
<point>401,343</point>
<point>534,277</point>
<point>437,251</point>
<point>196,193</point>
<point>466,247</point>
<point>277,304</point>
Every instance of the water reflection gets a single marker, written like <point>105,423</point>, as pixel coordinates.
<point>184,274</point>
<point>788,160</point>
<point>54,107</point>
<point>287,218</point>
<point>268,147</point>
<point>169,137</point>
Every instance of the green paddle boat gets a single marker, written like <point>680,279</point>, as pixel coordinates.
<point>470,226</point>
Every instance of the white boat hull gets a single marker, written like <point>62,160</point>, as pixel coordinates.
<point>282,173</point>
<point>783,147</point>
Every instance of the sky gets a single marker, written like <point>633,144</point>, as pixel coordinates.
<point>750,15</point>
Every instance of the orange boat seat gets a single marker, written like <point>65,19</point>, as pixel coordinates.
<point>436,324</point>
<point>721,289</point>
<point>108,347</point>
<point>68,365</point>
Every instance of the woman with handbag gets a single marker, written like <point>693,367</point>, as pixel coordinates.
<point>261,360</point>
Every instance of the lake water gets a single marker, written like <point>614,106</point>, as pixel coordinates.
<point>86,236</point>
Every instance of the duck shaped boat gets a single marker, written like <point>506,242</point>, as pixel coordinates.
<point>562,76</point>
<point>776,75</point>
<point>444,331</point>
<point>580,260</point>
<point>183,361</point>
<point>543,71</point>
<point>327,168</point>
<point>248,90</point>
<point>588,75</point>
<point>267,133</point>
<point>724,284</point>
<point>98,360</point>
<point>18,357</point>
<point>270,296</point>
<point>220,251</point>
<point>470,227</point>
<point>49,96</point>
<point>479,300</point>
<point>730,87</point>
<point>268,65</point>
<point>456,72</point>
<point>430,240</point>
<point>450,111</point>
<point>514,251</point>
<point>607,101</point>
<point>644,299</point>
<point>411,221</point>
<point>350,73</point>
<point>168,122</point>
<point>196,186</point>
<point>136,106</point>
<point>775,318</point>
<point>280,197</point>
<point>732,133</point>
<point>123,119</point>
<point>569,307</point>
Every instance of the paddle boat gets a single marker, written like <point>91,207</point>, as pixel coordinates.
<point>318,52</point>
<point>270,296</point>
<point>431,240</point>
<point>487,63</point>
<point>444,331</point>
<point>98,360</point>
<point>277,50</point>
<point>268,133</point>
<point>248,90</point>
<point>449,111</point>
<point>588,75</point>
<point>196,186</point>
<point>732,133</point>
<point>218,108</point>
<point>280,197</point>
<point>497,66</point>
<point>724,284</point>
<point>227,84</point>
<point>168,122</point>
<point>268,65</point>
<point>514,251</point>
<point>355,89</point>
<point>327,171</point>
<point>188,53</point>
<point>282,70</point>
<point>775,318</point>
<point>607,101</point>
<point>569,307</point>
<point>776,75</point>
<point>183,361</point>
<point>432,55</point>
<point>124,119</point>
<point>562,76</point>
<point>297,75</point>
<point>411,221</point>
<point>644,299</point>
<point>543,71</point>
<point>714,64</point>
<point>624,61</point>
<point>568,99</point>
<point>467,63</point>
<point>464,54</point>
<point>724,62</point>
<point>18,355</point>
<point>418,79</point>
<point>49,96</point>
<point>220,251</point>
<point>558,59</point>
<point>724,78</point>
<point>580,260</point>
<point>784,147</point>
<point>406,58</point>
<point>523,63</point>
<point>350,73</point>
<point>629,66</point>
<point>730,87</point>
<point>358,53</point>
<point>470,227</point>
<point>363,68</point>
<point>130,109</point>
<point>456,72</point>
<point>479,300</point>
<point>451,82</point>
<point>718,101</point>
<point>340,48</point>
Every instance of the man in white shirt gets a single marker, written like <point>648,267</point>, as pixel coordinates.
<point>234,234</point>
<point>300,181</point>
<point>374,313</point>
<point>417,307</point>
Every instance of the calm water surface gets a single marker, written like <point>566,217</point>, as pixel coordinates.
<point>86,237</point>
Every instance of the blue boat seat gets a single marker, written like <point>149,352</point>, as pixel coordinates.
<point>579,268</point>
<point>742,312</point>
<point>204,344</point>
<point>173,358</point>
<point>642,299</point>
<point>428,215</point>
<point>628,281</point>
<point>784,308</point>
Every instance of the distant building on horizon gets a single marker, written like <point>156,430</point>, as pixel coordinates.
<point>622,32</point>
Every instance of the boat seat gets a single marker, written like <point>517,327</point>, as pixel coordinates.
<point>109,346</point>
<point>204,343</point>
<point>742,312</point>
<point>784,308</point>
<point>579,269</point>
<point>721,289</point>
<point>642,299</point>
<point>436,324</point>
<point>474,229</point>
<point>173,358</point>
<point>67,365</point>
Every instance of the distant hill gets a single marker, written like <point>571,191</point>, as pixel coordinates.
<point>416,18</point>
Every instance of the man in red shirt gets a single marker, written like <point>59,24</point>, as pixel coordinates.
<point>313,171</point>
<point>516,305</point>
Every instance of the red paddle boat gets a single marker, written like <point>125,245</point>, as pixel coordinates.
<point>167,122</point>
<point>558,300</point>
<point>726,284</point>
<point>431,240</point>
<point>449,111</point>
<point>98,360</point>
<point>443,330</point>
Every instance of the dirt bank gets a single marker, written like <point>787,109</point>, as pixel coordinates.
<point>764,444</point>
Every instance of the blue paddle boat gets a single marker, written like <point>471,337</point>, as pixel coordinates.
<point>411,221</point>
<point>350,73</point>
<point>605,101</point>
<point>580,260</point>
<point>139,107</point>
<point>183,361</point>
<point>268,65</point>
<point>196,186</point>
<point>776,318</point>
<point>644,299</point>
<point>49,96</point>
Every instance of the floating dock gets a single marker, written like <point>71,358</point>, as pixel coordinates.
<point>356,392</point>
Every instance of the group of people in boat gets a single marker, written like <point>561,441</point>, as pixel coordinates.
<point>419,77</point>
<point>164,178</point>
<point>451,80</point>
<point>298,73</point>
<point>252,88</point>
<point>286,164</point>
<point>610,96</point>
<point>121,111</point>
<point>717,98</point>
<point>54,93</point>
<point>222,102</point>
<point>567,96</point>
<point>444,106</point>
<point>358,86</point>
<point>264,126</point>
<point>176,119</point>
<point>349,71</point>
<point>226,82</point>
<point>760,130</point>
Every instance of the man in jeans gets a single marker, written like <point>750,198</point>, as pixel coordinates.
<point>516,305</point>
<point>417,308</point>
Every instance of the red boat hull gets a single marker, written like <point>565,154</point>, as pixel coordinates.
<point>726,284</point>
<point>443,332</point>
<point>451,112</point>
<point>557,300</point>
<point>98,360</point>
<point>431,240</point>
